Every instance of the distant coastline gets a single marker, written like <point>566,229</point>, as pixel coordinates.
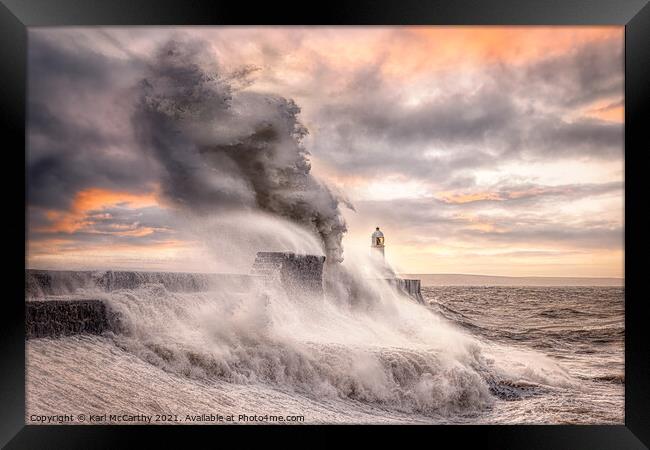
<point>455,279</point>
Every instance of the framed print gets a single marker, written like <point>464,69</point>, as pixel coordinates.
<point>409,219</point>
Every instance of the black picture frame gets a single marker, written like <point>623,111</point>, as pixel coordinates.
<point>17,15</point>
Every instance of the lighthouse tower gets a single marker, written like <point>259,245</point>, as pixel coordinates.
<point>377,243</point>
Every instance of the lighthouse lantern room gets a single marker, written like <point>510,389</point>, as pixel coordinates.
<point>377,243</point>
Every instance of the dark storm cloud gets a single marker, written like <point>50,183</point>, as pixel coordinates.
<point>52,61</point>
<point>66,156</point>
<point>453,118</point>
<point>589,73</point>
<point>377,134</point>
<point>512,111</point>
<point>77,135</point>
<point>553,137</point>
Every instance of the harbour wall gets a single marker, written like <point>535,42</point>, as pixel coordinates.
<point>60,303</point>
<point>53,318</point>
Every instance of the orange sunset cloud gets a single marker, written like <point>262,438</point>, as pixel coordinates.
<point>95,200</point>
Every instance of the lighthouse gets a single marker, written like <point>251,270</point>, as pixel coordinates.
<point>377,243</point>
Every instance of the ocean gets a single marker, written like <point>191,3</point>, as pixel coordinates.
<point>485,355</point>
<point>581,328</point>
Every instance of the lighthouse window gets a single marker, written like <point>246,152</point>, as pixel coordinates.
<point>379,241</point>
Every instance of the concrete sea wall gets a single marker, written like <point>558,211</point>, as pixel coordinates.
<point>60,303</point>
<point>53,305</point>
<point>52,318</point>
<point>48,283</point>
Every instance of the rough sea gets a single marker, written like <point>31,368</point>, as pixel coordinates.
<point>498,355</point>
<point>581,328</point>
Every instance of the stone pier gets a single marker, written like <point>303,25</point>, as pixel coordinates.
<point>53,318</point>
<point>60,303</point>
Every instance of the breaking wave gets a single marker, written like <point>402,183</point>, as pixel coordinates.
<point>391,352</point>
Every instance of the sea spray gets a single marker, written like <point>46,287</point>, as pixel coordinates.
<point>319,349</point>
<point>381,349</point>
<point>221,148</point>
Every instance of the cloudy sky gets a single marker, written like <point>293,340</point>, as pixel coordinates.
<point>482,150</point>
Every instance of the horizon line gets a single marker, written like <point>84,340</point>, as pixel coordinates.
<point>509,276</point>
